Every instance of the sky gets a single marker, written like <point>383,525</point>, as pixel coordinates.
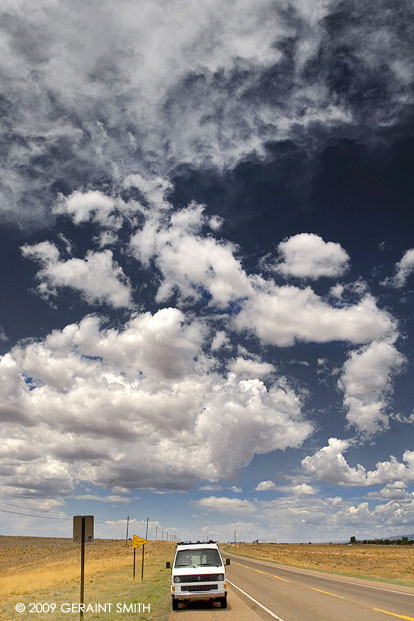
<point>207,268</point>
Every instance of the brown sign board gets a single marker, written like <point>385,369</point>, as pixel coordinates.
<point>77,527</point>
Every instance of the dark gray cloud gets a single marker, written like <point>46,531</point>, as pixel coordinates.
<point>10,414</point>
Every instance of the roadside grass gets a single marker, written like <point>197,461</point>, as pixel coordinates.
<point>108,580</point>
<point>376,563</point>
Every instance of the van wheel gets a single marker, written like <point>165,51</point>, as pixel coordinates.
<point>174,603</point>
<point>223,602</point>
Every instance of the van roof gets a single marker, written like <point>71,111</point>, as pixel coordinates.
<point>191,546</point>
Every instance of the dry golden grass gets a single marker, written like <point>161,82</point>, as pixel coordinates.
<point>29,564</point>
<point>389,563</point>
<point>47,570</point>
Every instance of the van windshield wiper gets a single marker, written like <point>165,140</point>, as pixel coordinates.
<point>193,566</point>
<point>210,565</point>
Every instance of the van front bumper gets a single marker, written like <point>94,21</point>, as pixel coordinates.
<point>197,592</point>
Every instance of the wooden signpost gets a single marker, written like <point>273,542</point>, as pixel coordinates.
<point>136,542</point>
<point>82,531</point>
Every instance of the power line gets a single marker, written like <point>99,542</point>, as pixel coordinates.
<point>10,504</point>
<point>42,517</point>
<point>49,517</point>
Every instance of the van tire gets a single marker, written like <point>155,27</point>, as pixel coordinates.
<point>223,602</point>
<point>174,603</point>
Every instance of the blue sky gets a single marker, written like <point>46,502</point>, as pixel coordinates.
<point>207,268</point>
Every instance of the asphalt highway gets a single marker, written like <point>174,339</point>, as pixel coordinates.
<point>290,594</point>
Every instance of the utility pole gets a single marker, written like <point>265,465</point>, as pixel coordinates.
<point>126,536</point>
<point>142,563</point>
<point>162,537</point>
<point>156,532</point>
<point>234,536</point>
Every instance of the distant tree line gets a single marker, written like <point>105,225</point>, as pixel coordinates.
<point>404,541</point>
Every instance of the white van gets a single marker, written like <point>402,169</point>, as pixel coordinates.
<point>198,574</point>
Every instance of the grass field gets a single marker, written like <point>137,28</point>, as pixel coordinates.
<point>46,570</point>
<point>389,563</point>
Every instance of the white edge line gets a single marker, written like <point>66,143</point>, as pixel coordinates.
<point>304,573</point>
<point>272,614</point>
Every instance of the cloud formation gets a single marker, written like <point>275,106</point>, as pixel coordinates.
<point>403,270</point>
<point>226,505</point>
<point>329,464</point>
<point>97,277</point>
<point>287,517</point>
<point>86,206</point>
<point>90,88</point>
<point>114,118</point>
<point>283,315</point>
<point>265,486</point>
<point>190,262</point>
<point>367,384</point>
<point>251,368</point>
<point>135,407</point>
<point>157,382</point>
<point>307,255</point>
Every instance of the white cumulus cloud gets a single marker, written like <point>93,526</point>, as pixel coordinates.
<point>307,255</point>
<point>190,262</point>
<point>329,464</point>
<point>98,277</point>
<point>138,406</point>
<point>251,368</point>
<point>282,315</point>
<point>303,489</point>
<point>222,504</point>
<point>403,270</point>
<point>367,384</point>
<point>84,206</point>
<point>265,486</point>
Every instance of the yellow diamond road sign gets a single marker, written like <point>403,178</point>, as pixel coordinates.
<point>138,541</point>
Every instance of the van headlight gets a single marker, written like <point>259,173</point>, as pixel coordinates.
<point>177,579</point>
<point>220,577</point>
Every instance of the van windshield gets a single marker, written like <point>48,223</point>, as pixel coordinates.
<point>198,557</point>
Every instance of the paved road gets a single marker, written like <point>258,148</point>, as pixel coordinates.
<point>238,609</point>
<point>300,595</point>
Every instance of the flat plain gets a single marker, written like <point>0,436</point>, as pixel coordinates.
<point>42,570</point>
<point>47,570</point>
<point>389,563</point>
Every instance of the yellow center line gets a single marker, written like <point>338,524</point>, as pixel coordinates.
<point>262,572</point>
<point>320,591</point>
<point>327,593</point>
<point>394,615</point>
